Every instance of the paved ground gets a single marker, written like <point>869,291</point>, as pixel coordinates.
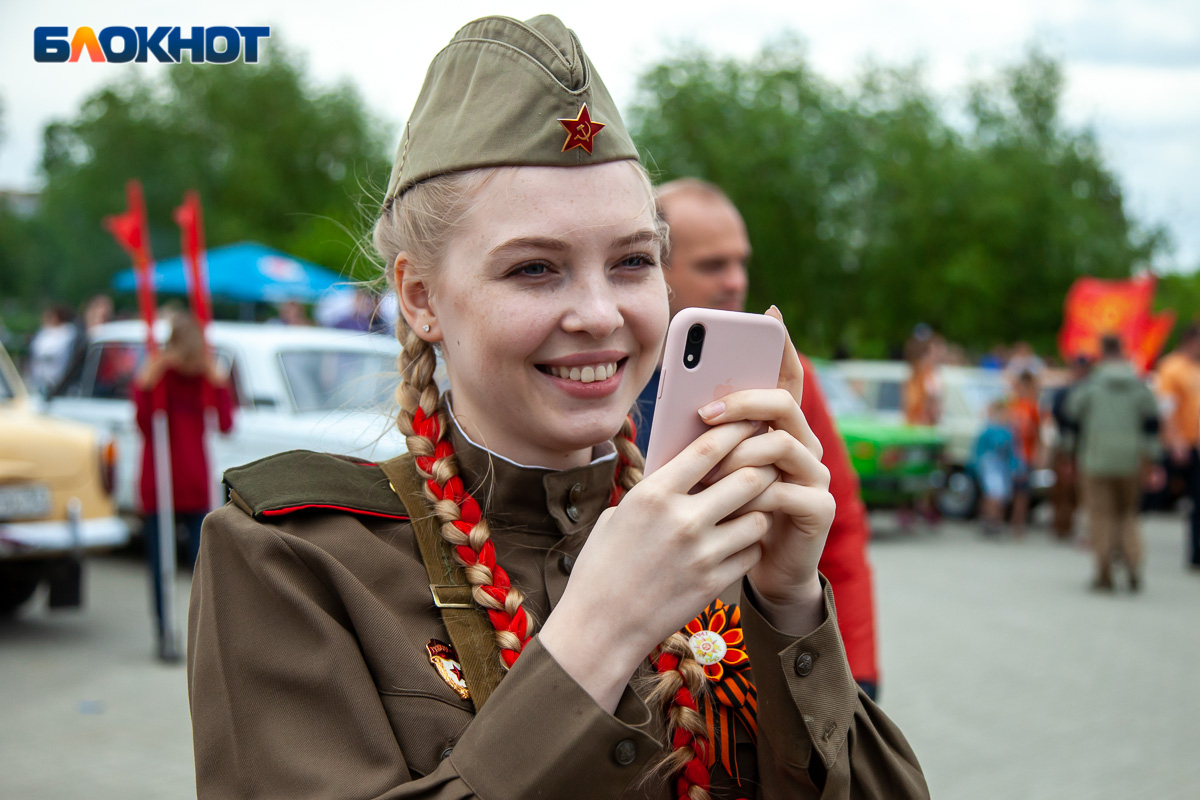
<point>1010,680</point>
<point>1013,681</point>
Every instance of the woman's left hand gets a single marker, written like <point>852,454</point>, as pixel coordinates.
<point>785,579</point>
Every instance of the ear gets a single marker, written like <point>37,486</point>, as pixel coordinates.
<point>415,302</point>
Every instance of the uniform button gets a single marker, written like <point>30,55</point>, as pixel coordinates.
<point>828,731</point>
<point>625,753</point>
<point>573,512</point>
<point>567,563</point>
<point>575,493</point>
<point>804,664</point>
<point>446,753</point>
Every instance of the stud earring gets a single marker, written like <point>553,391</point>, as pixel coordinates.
<point>425,328</point>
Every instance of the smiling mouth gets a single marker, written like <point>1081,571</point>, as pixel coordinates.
<point>589,373</point>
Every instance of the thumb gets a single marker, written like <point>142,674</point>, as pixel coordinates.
<point>791,371</point>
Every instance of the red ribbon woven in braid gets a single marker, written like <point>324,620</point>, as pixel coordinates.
<point>694,772</point>
<point>470,514</point>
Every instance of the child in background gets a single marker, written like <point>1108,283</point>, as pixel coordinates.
<point>1025,416</point>
<point>997,465</point>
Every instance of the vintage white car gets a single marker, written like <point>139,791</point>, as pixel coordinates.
<point>55,479</point>
<point>295,388</point>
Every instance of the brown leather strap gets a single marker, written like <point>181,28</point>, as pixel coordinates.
<point>470,631</point>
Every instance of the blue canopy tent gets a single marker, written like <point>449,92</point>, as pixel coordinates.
<point>245,272</point>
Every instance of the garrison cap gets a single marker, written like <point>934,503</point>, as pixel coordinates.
<point>509,93</point>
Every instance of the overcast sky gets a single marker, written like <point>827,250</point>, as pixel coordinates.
<point>1132,68</point>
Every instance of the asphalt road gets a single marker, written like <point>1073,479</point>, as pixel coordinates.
<point>1010,679</point>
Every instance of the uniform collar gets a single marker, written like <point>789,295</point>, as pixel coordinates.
<point>535,499</point>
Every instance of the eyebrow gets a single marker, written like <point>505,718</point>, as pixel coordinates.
<point>640,237</point>
<point>550,243</point>
<point>538,242</point>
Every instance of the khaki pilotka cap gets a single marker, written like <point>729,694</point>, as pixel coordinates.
<point>509,93</point>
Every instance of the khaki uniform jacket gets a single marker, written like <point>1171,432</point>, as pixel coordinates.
<point>309,676</point>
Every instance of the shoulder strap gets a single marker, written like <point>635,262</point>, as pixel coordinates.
<point>470,630</point>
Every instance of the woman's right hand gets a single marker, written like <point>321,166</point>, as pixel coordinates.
<point>655,561</point>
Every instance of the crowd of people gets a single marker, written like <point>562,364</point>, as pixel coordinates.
<point>1111,437</point>
<point>383,629</point>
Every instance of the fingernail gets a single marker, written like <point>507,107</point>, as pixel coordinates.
<point>713,409</point>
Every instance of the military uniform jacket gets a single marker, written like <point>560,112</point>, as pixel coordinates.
<point>309,674</point>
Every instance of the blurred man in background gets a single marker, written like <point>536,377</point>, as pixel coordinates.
<point>706,266</point>
<point>1179,386</point>
<point>1064,494</point>
<point>97,311</point>
<point>1117,419</point>
<point>292,312</point>
<point>50,349</point>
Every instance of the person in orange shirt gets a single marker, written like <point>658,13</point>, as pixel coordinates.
<point>1026,416</point>
<point>1179,389</point>
<point>923,391</point>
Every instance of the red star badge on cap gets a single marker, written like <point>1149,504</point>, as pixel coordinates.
<point>581,130</point>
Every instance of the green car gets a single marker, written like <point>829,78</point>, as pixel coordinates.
<point>895,462</point>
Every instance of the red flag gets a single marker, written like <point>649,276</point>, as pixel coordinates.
<point>131,232</point>
<point>1148,343</point>
<point>190,220</point>
<point>1096,307</point>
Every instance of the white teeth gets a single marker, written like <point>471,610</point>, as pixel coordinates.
<point>588,374</point>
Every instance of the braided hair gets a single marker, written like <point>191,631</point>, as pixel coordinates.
<point>420,223</point>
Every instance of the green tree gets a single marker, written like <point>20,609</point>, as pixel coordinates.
<point>15,246</point>
<point>869,210</point>
<point>274,158</point>
<point>784,145</point>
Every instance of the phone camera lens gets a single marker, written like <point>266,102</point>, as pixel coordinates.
<point>694,346</point>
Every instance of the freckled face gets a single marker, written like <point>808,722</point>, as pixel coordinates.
<point>552,309</point>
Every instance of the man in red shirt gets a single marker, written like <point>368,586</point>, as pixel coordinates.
<point>707,267</point>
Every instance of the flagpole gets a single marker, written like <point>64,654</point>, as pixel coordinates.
<point>190,219</point>
<point>132,233</point>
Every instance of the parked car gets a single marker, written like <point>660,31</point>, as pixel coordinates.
<point>55,479</point>
<point>968,391</point>
<point>294,388</point>
<point>895,462</point>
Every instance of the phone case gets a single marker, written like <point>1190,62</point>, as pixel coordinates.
<point>740,351</point>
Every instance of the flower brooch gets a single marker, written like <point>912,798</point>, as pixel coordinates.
<point>715,638</point>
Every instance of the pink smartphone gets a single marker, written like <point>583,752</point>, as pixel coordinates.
<point>709,354</point>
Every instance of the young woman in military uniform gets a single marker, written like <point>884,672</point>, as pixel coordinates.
<point>508,610</point>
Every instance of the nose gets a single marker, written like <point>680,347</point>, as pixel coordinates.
<point>594,308</point>
<point>736,278</point>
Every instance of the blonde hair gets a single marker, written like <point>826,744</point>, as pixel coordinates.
<point>186,342</point>
<point>420,223</point>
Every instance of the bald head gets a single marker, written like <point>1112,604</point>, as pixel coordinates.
<point>709,248</point>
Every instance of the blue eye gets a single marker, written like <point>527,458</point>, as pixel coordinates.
<point>534,269</point>
<point>638,260</point>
